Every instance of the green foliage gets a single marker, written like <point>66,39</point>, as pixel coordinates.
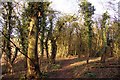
<point>87,10</point>
<point>56,66</point>
<point>90,74</point>
<point>105,17</point>
<point>36,7</point>
<point>104,27</point>
<point>22,77</point>
<point>45,75</point>
<point>33,7</point>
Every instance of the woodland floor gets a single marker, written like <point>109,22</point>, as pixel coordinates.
<point>71,67</point>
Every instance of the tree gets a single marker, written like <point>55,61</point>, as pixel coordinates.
<point>43,30</point>
<point>8,18</point>
<point>116,38</point>
<point>22,27</point>
<point>49,33</point>
<point>79,42</point>
<point>104,29</point>
<point>88,10</point>
<point>53,42</point>
<point>54,36</point>
<point>33,66</point>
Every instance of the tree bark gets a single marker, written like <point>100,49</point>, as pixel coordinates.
<point>54,50</point>
<point>8,46</point>
<point>46,48</point>
<point>89,42</point>
<point>103,56</point>
<point>9,31</point>
<point>43,25</point>
<point>33,69</point>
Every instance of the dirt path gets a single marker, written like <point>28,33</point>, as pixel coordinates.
<point>68,67</point>
<point>76,68</point>
<point>64,72</point>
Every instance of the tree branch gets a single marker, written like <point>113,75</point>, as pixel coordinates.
<point>18,48</point>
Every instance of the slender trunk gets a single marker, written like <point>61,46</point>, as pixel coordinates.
<point>89,43</point>
<point>4,40</point>
<point>24,47</point>
<point>42,46</point>
<point>23,37</point>
<point>111,49</point>
<point>33,69</point>
<point>54,50</point>
<point>43,25</point>
<point>79,45</point>
<point>79,50</point>
<point>36,50</point>
<point>46,48</point>
<point>48,37</point>
<point>8,47</point>
<point>24,50</point>
<point>69,44</point>
<point>3,45</point>
<point>103,56</point>
<point>9,31</point>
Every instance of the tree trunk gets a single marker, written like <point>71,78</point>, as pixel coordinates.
<point>46,48</point>
<point>9,31</point>
<point>54,50</point>
<point>79,47</point>
<point>33,68</point>
<point>23,43</point>
<point>24,50</point>
<point>42,47</point>
<point>43,25</point>
<point>3,45</point>
<point>104,42</point>
<point>3,39</point>
<point>111,49</point>
<point>8,47</point>
<point>69,44</point>
<point>89,43</point>
<point>103,56</point>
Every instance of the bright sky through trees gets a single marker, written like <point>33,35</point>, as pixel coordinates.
<point>71,6</point>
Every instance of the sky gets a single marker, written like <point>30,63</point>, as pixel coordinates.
<point>71,6</point>
<point>65,6</point>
